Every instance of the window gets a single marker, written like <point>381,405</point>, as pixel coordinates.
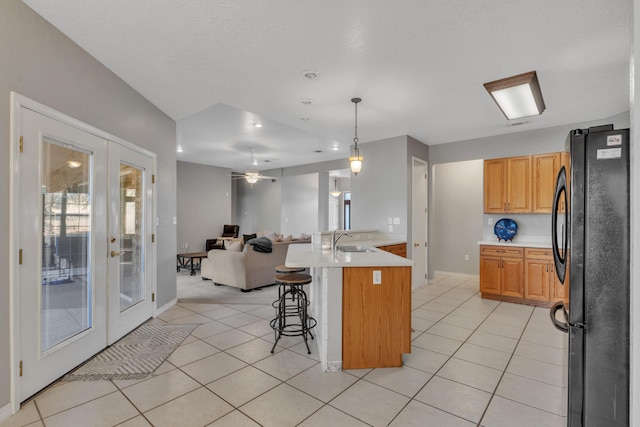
<point>347,210</point>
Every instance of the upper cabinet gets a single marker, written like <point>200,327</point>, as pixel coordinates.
<point>507,185</point>
<point>545,171</point>
<point>524,184</point>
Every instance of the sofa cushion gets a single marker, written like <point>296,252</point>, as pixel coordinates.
<point>233,245</point>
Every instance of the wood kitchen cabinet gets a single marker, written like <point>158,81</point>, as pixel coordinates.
<point>541,281</point>
<point>501,271</point>
<point>399,249</point>
<point>520,275</point>
<point>507,185</point>
<point>545,174</point>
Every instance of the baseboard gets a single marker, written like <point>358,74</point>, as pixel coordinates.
<point>5,412</point>
<point>447,273</point>
<point>159,310</point>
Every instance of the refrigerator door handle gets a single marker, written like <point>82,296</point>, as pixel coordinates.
<point>563,326</point>
<point>560,259</point>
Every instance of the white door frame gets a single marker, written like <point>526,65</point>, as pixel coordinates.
<point>425,217</point>
<point>17,102</point>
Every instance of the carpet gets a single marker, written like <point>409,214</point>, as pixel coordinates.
<point>135,356</point>
<point>192,289</point>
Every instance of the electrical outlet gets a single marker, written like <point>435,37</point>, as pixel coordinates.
<point>377,277</point>
<point>396,221</point>
<point>391,228</point>
<point>466,257</point>
<point>490,221</point>
<point>390,220</point>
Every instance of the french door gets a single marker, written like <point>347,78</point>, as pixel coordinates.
<point>83,229</point>
<point>130,234</point>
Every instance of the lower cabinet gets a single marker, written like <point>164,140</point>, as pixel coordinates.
<point>399,249</point>
<point>522,275</point>
<point>501,270</point>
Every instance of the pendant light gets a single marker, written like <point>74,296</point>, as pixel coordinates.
<point>335,192</point>
<point>356,160</point>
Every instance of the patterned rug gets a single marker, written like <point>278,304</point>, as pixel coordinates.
<point>135,356</point>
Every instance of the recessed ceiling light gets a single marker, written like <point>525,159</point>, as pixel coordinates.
<point>307,101</point>
<point>311,75</point>
<point>257,125</point>
<point>305,118</point>
<point>179,149</point>
<point>335,147</point>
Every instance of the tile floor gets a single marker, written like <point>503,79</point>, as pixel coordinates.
<point>474,362</point>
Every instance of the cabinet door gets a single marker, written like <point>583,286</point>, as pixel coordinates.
<point>545,172</point>
<point>519,184</point>
<point>495,190</point>
<point>559,291</point>
<point>490,275</point>
<point>536,279</point>
<point>512,270</point>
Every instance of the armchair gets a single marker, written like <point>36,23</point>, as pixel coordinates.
<point>228,232</point>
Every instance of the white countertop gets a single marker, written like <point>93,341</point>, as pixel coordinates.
<point>519,243</point>
<point>309,255</point>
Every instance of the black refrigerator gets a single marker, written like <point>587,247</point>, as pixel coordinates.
<point>591,248</point>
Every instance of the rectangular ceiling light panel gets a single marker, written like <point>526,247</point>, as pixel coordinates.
<point>518,96</point>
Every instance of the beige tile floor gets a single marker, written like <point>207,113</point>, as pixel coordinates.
<point>474,362</point>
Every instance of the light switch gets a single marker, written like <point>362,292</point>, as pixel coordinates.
<point>390,220</point>
<point>377,277</point>
<point>396,220</point>
<point>391,228</point>
<point>175,220</point>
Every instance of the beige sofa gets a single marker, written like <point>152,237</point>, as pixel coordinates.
<point>247,269</point>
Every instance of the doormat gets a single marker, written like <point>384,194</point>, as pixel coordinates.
<point>135,356</point>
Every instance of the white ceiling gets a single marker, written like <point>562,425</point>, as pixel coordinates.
<point>217,67</point>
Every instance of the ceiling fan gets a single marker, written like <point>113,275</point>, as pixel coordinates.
<point>252,176</point>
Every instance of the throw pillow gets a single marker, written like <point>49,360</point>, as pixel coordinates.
<point>289,238</point>
<point>235,246</point>
<point>246,237</point>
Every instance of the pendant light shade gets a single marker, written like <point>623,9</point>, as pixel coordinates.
<point>355,161</point>
<point>335,192</point>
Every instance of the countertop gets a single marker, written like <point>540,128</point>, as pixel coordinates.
<point>519,243</point>
<point>309,255</point>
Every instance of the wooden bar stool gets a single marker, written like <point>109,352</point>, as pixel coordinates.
<point>292,318</point>
<point>283,269</point>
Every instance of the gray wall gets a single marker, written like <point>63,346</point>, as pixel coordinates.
<point>380,190</point>
<point>258,205</point>
<point>300,204</point>
<point>517,144</point>
<point>204,204</point>
<point>41,63</point>
<point>457,213</point>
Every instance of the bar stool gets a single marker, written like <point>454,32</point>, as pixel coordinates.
<point>283,269</point>
<point>292,318</point>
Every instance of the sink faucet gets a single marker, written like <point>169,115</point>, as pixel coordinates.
<point>335,239</point>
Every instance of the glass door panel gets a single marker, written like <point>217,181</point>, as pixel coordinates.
<point>66,290</point>
<point>132,283</point>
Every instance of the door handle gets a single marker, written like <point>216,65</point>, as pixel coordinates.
<point>416,245</point>
<point>115,254</point>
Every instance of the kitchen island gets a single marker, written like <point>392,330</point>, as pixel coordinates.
<point>362,303</point>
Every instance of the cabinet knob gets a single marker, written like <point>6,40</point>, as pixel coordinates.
<point>115,254</point>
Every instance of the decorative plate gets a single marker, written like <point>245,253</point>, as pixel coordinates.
<point>505,229</point>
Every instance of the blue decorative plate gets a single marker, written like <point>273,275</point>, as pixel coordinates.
<point>505,229</point>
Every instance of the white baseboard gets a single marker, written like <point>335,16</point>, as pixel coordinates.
<point>159,310</point>
<point>447,273</point>
<point>5,412</point>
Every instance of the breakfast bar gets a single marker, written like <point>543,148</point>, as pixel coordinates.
<point>361,299</point>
